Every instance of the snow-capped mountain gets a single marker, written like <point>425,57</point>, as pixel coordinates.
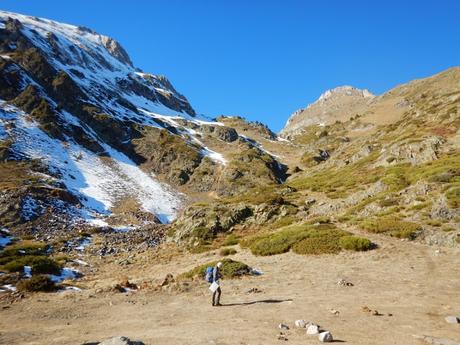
<point>106,131</point>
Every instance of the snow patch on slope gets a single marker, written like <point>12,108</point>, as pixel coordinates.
<point>99,181</point>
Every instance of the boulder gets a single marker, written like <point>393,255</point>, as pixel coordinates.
<point>283,326</point>
<point>313,330</point>
<point>325,337</point>
<point>300,323</point>
<point>452,319</point>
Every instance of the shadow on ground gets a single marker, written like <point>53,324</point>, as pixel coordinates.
<point>255,302</point>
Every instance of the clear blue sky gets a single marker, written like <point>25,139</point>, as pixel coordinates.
<point>264,59</point>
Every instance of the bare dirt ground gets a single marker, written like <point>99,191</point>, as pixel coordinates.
<point>418,284</point>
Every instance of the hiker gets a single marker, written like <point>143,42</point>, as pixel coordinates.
<point>213,275</point>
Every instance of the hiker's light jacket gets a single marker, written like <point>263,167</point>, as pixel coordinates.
<point>216,274</point>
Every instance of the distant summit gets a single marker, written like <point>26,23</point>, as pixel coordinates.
<point>336,104</point>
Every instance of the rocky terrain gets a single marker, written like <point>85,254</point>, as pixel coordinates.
<point>115,196</point>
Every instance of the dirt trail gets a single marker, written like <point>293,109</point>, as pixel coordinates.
<point>411,281</point>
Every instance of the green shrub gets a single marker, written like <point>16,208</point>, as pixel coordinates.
<point>230,269</point>
<point>227,251</point>
<point>278,242</point>
<point>421,206</point>
<point>231,240</point>
<point>387,202</point>
<point>39,264</point>
<point>319,220</point>
<point>37,283</point>
<point>392,227</point>
<point>434,222</point>
<point>322,238</point>
<point>447,228</point>
<point>453,197</point>
<point>203,234</point>
<point>355,243</point>
<point>282,222</point>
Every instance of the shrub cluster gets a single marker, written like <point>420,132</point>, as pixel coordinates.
<point>37,283</point>
<point>392,227</point>
<point>227,251</point>
<point>230,269</point>
<point>306,238</point>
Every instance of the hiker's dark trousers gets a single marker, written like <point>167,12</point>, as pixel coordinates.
<point>216,296</point>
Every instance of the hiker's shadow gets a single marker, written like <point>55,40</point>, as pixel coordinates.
<point>269,301</point>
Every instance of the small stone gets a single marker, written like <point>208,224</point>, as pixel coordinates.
<point>325,337</point>
<point>283,326</point>
<point>313,330</point>
<point>300,323</point>
<point>452,319</point>
<point>282,336</point>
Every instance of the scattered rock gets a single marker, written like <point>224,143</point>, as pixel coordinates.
<point>117,341</point>
<point>343,282</point>
<point>313,330</point>
<point>325,337</point>
<point>282,336</point>
<point>283,326</point>
<point>168,280</point>
<point>374,312</point>
<point>300,323</point>
<point>254,290</point>
<point>334,311</point>
<point>437,341</point>
<point>452,319</point>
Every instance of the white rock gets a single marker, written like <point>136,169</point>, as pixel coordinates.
<point>452,319</point>
<point>300,323</point>
<point>325,337</point>
<point>283,326</point>
<point>313,330</point>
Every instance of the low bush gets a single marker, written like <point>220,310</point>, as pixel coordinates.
<point>37,283</point>
<point>320,241</point>
<point>453,197</point>
<point>230,269</point>
<point>227,251</point>
<point>203,234</point>
<point>39,264</point>
<point>231,240</point>
<point>301,238</point>
<point>392,227</point>
<point>355,243</point>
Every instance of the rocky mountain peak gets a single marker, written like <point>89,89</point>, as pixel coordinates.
<point>337,104</point>
<point>116,50</point>
<point>345,90</point>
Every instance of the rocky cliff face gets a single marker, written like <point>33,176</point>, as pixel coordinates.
<point>337,104</point>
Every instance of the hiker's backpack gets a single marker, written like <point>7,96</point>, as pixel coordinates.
<point>208,274</point>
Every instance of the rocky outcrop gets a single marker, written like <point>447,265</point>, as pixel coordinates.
<point>415,152</point>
